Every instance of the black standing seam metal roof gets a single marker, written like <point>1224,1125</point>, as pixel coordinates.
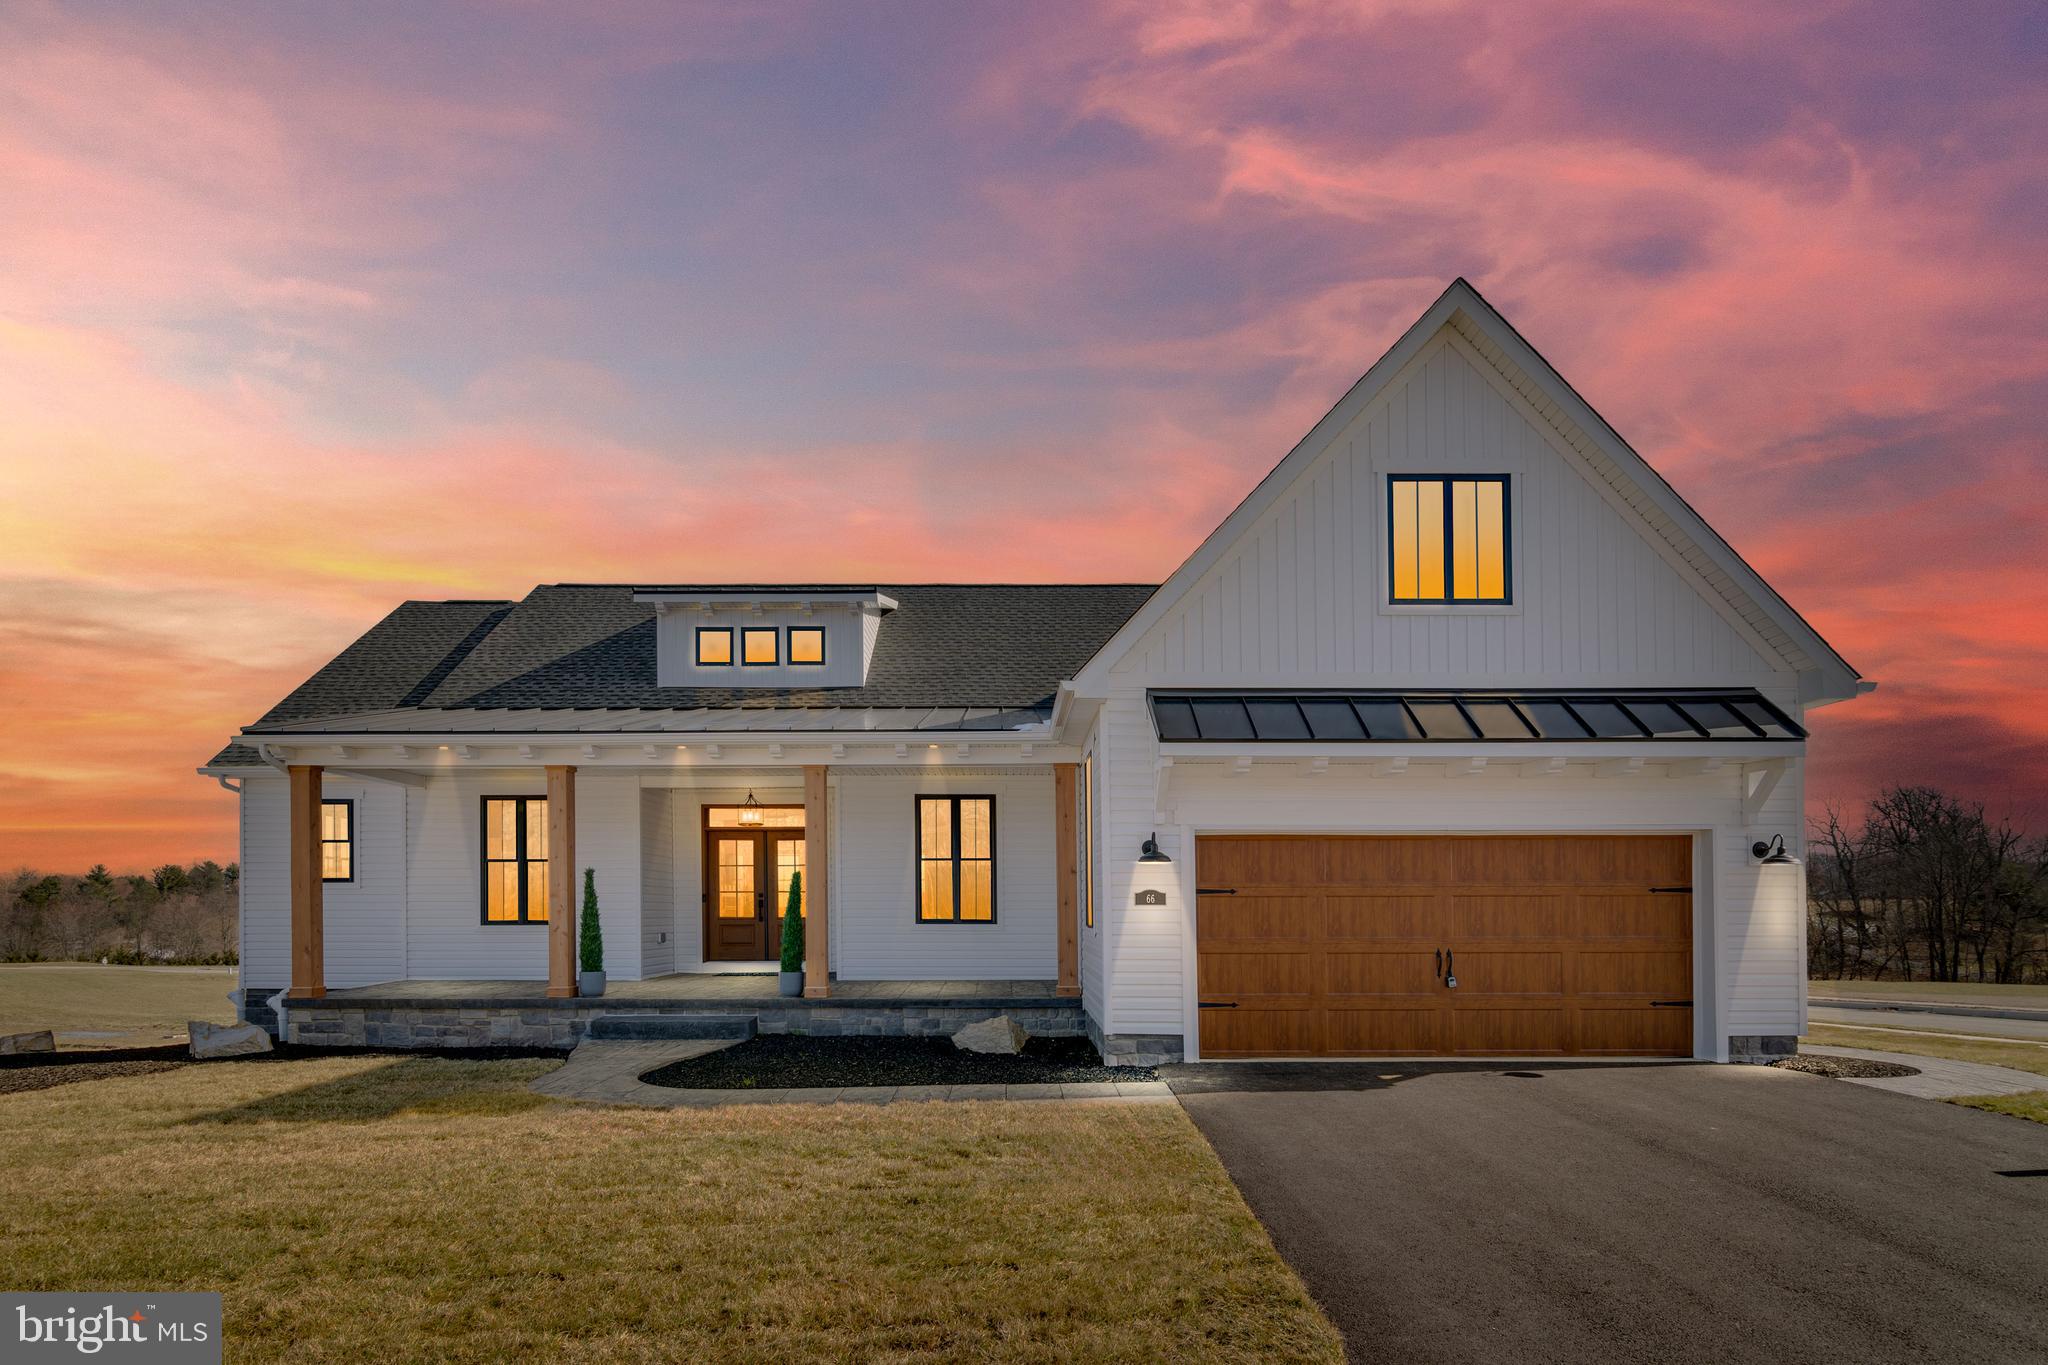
<point>1426,717</point>
<point>591,646</point>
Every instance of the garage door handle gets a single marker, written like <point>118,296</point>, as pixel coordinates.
<point>1439,964</point>
<point>1215,891</point>
<point>1217,1004</point>
<point>1670,1004</point>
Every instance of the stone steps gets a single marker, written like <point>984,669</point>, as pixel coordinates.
<point>663,1027</point>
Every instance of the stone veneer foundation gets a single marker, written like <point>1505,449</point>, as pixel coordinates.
<point>1761,1048</point>
<point>564,1023</point>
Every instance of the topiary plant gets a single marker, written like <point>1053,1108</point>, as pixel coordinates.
<point>793,925</point>
<point>590,943</point>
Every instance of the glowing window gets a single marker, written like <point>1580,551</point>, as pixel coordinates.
<point>1448,538</point>
<point>956,859</point>
<point>515,860</point>
<point>714,646</point>
<point>806,644</point>
<point>337,841</point>
<point>759,646</point>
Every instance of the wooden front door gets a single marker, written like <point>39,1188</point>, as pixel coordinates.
<point>1373,946</point>
<point>746,885</point>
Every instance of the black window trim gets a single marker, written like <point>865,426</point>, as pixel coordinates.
<point>773,633</point>
<point>730,653</point>
<point>790,655</point>
<point>1507,541</point>
<point>349,802</point>
<point>918,860</point>
<point>484,860</point>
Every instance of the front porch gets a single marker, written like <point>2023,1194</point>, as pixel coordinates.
<point>427,1013</point>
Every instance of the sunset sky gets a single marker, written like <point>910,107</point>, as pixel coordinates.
<point>308,309</point>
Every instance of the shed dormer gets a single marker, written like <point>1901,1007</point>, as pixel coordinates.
<point>764,637</point>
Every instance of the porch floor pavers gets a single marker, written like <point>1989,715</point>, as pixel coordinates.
<point>608,1071</point>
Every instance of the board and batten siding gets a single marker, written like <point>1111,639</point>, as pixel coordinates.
<point>875,932</point>
<point>363,921</point>
<point>1300,600</point>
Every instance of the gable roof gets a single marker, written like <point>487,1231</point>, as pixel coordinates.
<point>1824,674</point>
<point>589,647</point>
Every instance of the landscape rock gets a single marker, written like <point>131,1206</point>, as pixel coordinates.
<point>226,1040</point>
<point>12,1043</point>
<point>999,1034</point>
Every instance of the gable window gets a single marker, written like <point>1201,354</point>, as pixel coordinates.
<point>515,860</point>
<point>956,859</point>
<point>807,644</point>
<point>1448,538</point>
<point>337,841</point>
<point>714,646</point>
<point>758,646</point>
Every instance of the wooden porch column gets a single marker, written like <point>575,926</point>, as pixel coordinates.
<point>817,899</point>
<point>309,960</point>
<point>1067,861</point>
<point>562,881</point>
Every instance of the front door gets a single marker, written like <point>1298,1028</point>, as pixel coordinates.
<point>746,885</point>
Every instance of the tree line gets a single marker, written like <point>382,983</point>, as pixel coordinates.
<point>1926,886</point>
<point>176,914</point>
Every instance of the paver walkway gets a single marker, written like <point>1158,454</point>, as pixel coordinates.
<point>1939,1078</point>
<point>608,1071</point>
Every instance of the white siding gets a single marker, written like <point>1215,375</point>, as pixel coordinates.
<point>875,933</point>
<point>1092,938</point>
<point>608,843</point>
<point>1298,601</point>
<point>266,885</point>
<point>657,883</point>
<point>363,922</point>
<point>446,937</point>
<point>1748,917</point>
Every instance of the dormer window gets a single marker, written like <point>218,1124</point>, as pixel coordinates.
<point>714,646</point>
<point>1448,539</point>
<point>728,637</point>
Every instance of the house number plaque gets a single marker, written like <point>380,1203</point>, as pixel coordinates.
<point>1150,898</point>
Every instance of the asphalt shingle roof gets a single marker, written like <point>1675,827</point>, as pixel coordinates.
<point>581,645</point>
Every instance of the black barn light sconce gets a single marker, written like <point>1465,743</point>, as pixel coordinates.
<point>1772,854</point>
<point>1149,852</point>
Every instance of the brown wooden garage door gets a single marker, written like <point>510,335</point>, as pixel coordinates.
<point>1375,946</point>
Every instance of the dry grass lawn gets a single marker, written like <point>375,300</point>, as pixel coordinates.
<point>131,1006</point>
<point>355,1209</point>
<point>2021,1056</point>
<point>1932,992</point>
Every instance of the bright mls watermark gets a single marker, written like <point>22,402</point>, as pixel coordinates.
<point>173,1329</point>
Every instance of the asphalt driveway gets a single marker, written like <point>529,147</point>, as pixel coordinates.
<point>1653,1213</point>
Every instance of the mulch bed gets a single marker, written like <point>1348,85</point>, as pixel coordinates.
<point>41,1070</point>
<point>790,1061</point>
<point>1850,1068</point>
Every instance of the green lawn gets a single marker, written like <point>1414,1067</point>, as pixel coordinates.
<point>130,1006</point>
<point>1931,992</point>
<point>2021,1056</point>
<point>418,1209</point>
